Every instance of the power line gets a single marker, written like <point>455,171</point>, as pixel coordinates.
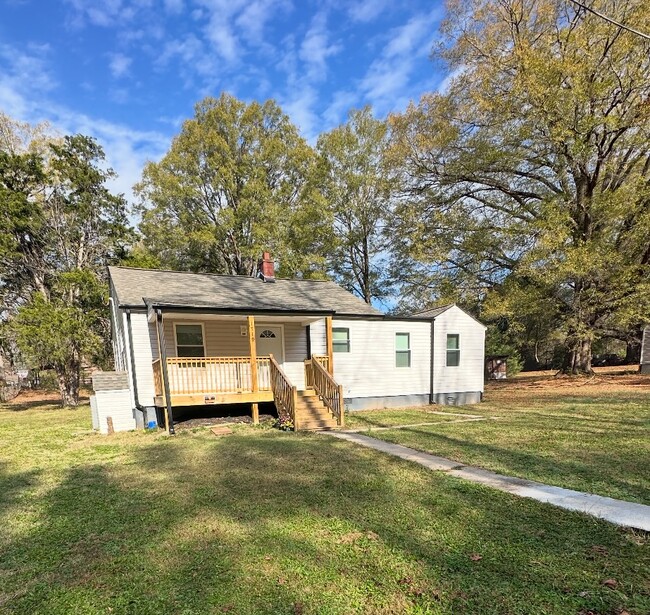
<point>610,20</point>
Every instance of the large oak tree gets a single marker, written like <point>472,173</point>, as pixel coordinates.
<point>237,180</point>
<point>528,180</point>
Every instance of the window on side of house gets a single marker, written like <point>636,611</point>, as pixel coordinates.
<point>402,350</point>
<point>453,350</point>
<point>189,341</point>
<point>341,339</point>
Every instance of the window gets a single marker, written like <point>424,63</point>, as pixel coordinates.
<point>189,341</point>
<point>267,333</point>
<point>402,350</point>
<point>453,350</point>
<point>341,339</point>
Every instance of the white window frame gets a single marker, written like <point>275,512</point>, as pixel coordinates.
<point>397,352</point>
<point>448,350</point>
<point>194,323</point>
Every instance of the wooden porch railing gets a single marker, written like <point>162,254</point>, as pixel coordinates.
<point>189,375</point>
<point>317,377</point>
<point>284,393</point>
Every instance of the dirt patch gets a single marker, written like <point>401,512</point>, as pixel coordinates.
<point>31,398</point>
<point>604,380</point>
<point>218,420</point>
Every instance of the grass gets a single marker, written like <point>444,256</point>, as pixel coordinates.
<point>401,416</point>
<point>595,440</point>
<point>269,522</point>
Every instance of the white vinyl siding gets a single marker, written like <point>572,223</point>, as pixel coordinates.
<point>119,335</point>
<point>369,369</point>
<point>318,337</point>
<point>145,348</point>
<point>468,375</point>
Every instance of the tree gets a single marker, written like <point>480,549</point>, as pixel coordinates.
<point>59,227</point>
<point>533,168</point>
<point>235,182</point>
<point>358,190</point>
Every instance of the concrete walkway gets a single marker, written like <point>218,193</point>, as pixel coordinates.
<point>619,512</point>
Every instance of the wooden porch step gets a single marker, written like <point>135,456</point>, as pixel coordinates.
<point>312,414</point>
<point>315,425</point>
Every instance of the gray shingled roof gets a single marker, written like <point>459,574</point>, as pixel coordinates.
<point>141,287</point>
<point>432,313</point>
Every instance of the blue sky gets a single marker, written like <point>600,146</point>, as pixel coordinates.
<point>128,72</point>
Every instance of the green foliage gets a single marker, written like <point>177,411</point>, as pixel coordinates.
<point>498,342</point>
<point>235,182</point>
<point>358,190</point>
<point>529,177</point>
<point>60,226</point>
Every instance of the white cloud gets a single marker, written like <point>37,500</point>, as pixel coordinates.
<point>337,110</point>
<point>316,49</point>
<point>389,76</point>
<point>367,10</point>
<point>25,89</point>
<point>119,65</point>
<point>174,7</point>
<point>299,106</point>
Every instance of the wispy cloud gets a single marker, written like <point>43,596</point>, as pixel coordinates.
<point>316,48</point>
<point>367,10</point>
<point>119,65</point>
<point>387,78</point>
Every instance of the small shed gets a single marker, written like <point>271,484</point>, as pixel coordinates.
<point>496,367</point>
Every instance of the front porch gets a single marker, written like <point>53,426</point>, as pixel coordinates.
<point>300,384</point>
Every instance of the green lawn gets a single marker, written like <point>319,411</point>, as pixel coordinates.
<point>270,522</point>
<point>595,441</point>
<point>371,418</point>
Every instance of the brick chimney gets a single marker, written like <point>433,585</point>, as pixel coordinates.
<point>266,268</point>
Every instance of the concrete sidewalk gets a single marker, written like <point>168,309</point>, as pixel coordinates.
<point>619,512</point>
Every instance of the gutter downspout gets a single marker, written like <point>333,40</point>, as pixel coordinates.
<point>431,392</point>
<point>134,378</point>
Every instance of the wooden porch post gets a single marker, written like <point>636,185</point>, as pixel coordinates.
<point>330,346</point>
<point>252,349</point>
<point>169,417</point>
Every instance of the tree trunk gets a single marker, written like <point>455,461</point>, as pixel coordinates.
<point>577,358</point>
<point>68,380</point>
<point>633,352</point>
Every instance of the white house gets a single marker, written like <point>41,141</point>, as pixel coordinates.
<point>188,339</point>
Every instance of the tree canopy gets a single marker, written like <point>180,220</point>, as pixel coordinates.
<point>528,180</point>
<point>59,227</point>
<point>237,180</point>
<point>358,189</point>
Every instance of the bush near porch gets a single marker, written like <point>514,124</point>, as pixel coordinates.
<point>269,522</point>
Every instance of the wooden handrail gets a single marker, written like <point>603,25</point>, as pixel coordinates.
<point>188,375</point>
<point>284,393</point>
<point>328,390</point>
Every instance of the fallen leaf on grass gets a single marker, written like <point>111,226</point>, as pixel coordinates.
<point>475,557</point>
<point>281,581</point>
<point>611,583</point>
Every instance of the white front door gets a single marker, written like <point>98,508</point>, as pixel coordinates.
<point>269,341</point>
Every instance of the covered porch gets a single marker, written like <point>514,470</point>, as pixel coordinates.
<point>213,359</point>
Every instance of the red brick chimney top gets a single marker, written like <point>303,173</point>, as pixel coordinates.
<point>267,268</point>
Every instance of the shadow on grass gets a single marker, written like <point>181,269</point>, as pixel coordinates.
<point>274,523</point>
<point>620,473</point>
